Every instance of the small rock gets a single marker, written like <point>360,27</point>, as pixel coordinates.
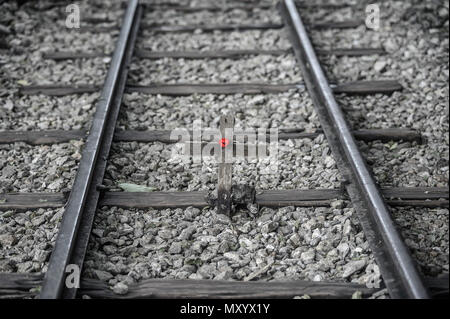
<point>347,227</point>
<point>253,209</point>
<point>224,275</point>
<point>296,253</point>
<point>40,255</point>
<point>187,233</point>
<point>297,215</point>
<point>102,275</point>
<point>208,254</point>
<point>310,225</point>
<point>189,268</point>
<point>380,294</point>
<point>286,230</point>
<point>247,243</point>
<point>337,204</point>
<point>195,277</point>
<point>165,234</point>
<point>123,219</point>
<point>39,220</point>
<point>343,248</point>
<point>177,263</point>
<point>258,99</point>
<point>109,249</point>
<point>307,257</point>
<point>175,248</point>
<point>245,228</point>
<point>357,295</point>
<point>9,105</point>
<point>24,267</point>
<point>7,240</point>
<point>8,171</point>
<point>221,219</point>
<point>198,246</point>
<point>120,288</point>
<point>443,12</point>
<point>269,227</point>
<point>316,233</point>
<point>126,229</point>
<point>232,256</point>
<point>190,213</point>
<point>352,267</point>
<point>98,232</point>
<point>207,271</point>
<point>265,217</point>
<point>295,239</point>
<point>379,66</point>
<point>302,297</point>
<point>329,162</point>
<point>223,247</point>
<point>56,184</point>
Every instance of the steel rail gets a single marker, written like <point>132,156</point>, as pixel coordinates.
<point>396,264</point>
<point>76,224</point>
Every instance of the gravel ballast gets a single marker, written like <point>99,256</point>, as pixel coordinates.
<point>38,28</point>
<point>204,17</point>
<point>46,168</point>
<point>302,163</point>
<point>413,35</point>
<point>292,109</point>
<point>406,164</point>
<point>261,68</point>
<point>316,244</point>
<point>27,238</point>
<point>426,233</point>
<point>394,164</point>
<point>283,244</point>
<point>217,40</point>
<point>36,112</point>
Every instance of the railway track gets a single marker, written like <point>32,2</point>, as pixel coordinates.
<point>89,192</point>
